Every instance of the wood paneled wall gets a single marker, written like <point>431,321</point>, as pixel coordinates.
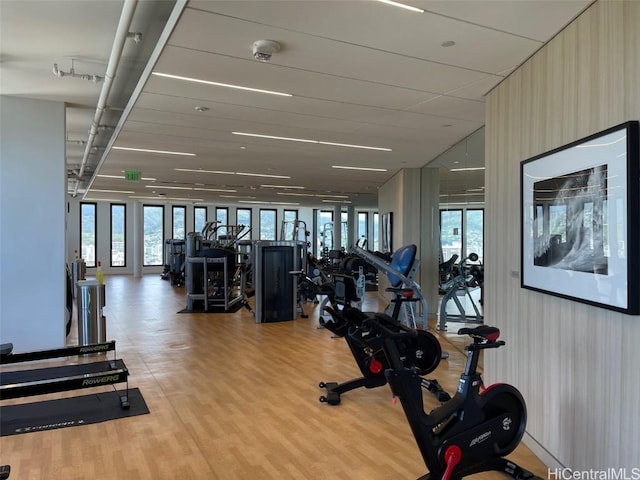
<point>575,364</point>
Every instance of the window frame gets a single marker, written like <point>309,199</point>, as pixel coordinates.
<point>124,234</point>
<point>174,209</point>
<point>275,223</point>
<point>195,221</point>
<point>161,207</point>
<point>244,209</point>
<point>95,234</point>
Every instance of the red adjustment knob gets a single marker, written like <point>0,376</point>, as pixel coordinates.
<point>375,366</point>
<point>452,457</point>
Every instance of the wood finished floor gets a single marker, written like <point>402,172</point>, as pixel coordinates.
<point>231,399</point>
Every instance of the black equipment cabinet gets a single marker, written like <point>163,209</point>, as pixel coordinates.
<point>275,284</point>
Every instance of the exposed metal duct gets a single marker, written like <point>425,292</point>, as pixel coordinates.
<point>122,33</point>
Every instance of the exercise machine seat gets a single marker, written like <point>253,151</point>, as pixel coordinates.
<point>402,261</point>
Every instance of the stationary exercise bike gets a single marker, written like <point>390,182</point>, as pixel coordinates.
<point>473,431</point>
<point>420,351</point>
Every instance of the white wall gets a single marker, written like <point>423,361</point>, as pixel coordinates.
<point>576,365</point>
<point>32,223</point>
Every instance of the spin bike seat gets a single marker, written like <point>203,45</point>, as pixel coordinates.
<point>483,332</point>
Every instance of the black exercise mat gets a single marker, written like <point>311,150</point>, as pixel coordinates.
<point>69,412</point>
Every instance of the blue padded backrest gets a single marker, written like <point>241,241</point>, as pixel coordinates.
<point>402,261</point>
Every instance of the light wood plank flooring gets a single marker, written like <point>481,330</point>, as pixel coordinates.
<point>231,399</point>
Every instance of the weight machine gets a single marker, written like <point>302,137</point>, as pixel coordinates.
<point>215,277</point>
<point>408,303</point>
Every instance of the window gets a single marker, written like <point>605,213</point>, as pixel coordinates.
<point>362,229</point>
<point>344,230</point>
<point>290,215</point>
<point>178,217</point>
<point>88,233</point>
<point>450,233</point>
<point>153,235</point>
<point>474,233</point>
<point>268,220</point>
<point>118,234</point>
<point>325,229</point>
<point>199,218</point>
<point>288,231</point>
<point>243,217</point>
<point>222,217</point>
<point>376,238</point>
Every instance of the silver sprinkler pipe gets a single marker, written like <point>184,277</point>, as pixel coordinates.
<point>122,33</point>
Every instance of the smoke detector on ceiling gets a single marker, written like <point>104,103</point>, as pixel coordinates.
<point>264,49</point>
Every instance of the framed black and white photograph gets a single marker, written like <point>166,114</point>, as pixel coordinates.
<point>580,212</point>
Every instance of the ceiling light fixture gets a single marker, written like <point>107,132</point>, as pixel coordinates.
<point>122,177</point>
<point>292,187</point>
<point>272,137</point>
<point>183,199</point>
<point>221,172</point>
<point>111,191</point>
<point>467,169</point>
<point>306,140</point>
<point>261,175</point>
<point>202,109</point>
<point>147,150</point>
<point>198,170</point>
<point>344,167</point>
<point>217,84</point>
<point>292,194</point>
<point>171,187</point>
<point>200,189</point>
<point>336,201</point>
<point>402,5</point>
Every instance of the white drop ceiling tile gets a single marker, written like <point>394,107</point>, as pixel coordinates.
<point>266,76</point>
<point>417,123</point>
<point>452,108</point>
<point>316,54</point>
<point>227,99</point>
<point>180,111</point>
<point>528,18</point>
<point>380,26</point>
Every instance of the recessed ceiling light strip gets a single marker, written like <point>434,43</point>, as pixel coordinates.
<point>285,187</point>
<point>261,175</point>
<point>184,199</point>
<point>147,150</point>
<point>402,5</point>
<point>122,177</point>
<point>217,84</point>
<point>345,167</point>
<point>245,174</point>
<point>468,169</point>
<point>307,140</point>
<point>111,191</point>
